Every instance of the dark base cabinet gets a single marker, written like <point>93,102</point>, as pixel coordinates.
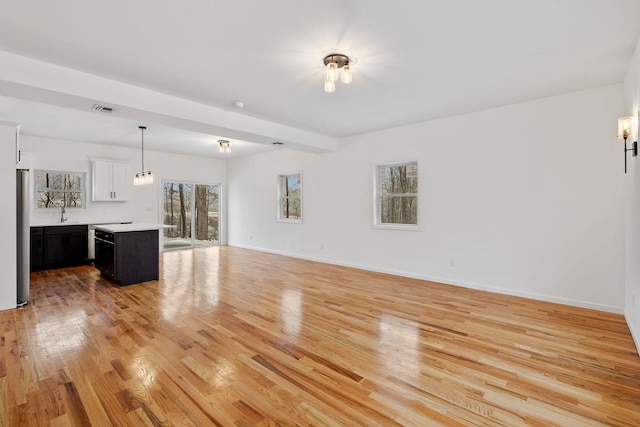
<point>58,246</point>
<point>37,248</point>
<point>128,257</point>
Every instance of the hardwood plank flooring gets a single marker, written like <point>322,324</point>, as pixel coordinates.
<point>232,337</point>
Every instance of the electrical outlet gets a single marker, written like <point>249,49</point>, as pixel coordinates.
<point>452,262</point>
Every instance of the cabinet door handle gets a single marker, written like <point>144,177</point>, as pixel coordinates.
<point>114,194</point>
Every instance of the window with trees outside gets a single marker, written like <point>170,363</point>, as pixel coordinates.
<point>396,201</point>
<point>57,189</point>
<point>194,210</point>
<point>290,197</point>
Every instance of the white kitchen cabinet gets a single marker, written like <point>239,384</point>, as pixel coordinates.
<point>110,181</point>
<point>23,159</point>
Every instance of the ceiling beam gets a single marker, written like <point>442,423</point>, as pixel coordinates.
<point>38,81</point>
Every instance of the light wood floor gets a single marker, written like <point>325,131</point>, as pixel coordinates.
<point>236,337</point>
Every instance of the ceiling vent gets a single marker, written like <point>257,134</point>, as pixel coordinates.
<point>103,108</point>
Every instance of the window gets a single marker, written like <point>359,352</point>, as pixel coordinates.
<point>194,209</point>
<point>56,189</point>
<point>290,197</point>
<point>396,200</point>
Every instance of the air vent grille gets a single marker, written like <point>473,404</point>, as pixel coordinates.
<point>103,108</point>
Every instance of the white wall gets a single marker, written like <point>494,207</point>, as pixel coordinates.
<point>524,199</point>
<point>8,253</point>
<point>632,198</point>
<point>144,201</point>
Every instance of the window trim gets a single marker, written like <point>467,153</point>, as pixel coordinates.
<point>279,217</point>
<point>377,196</point>
<point>83,191</point>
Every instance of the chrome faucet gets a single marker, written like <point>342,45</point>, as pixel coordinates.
<point>62,212</point>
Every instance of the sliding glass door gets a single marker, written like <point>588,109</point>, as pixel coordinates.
<point>194,210</point>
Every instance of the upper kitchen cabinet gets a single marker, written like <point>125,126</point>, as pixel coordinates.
<point>23,159</point>
<point>110,181</point>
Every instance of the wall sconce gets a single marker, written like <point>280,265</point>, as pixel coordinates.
<point>625,128</point>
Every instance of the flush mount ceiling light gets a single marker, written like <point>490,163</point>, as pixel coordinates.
<point>333,63</point>
<point>144,177</point>
<point>224,146</point>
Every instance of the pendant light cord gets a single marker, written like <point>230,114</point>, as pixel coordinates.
<point>142,128</point>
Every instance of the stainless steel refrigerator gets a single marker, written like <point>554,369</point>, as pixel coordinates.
<point>24,235</point>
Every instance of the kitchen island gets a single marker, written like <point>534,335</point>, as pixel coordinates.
<point>128,253</point>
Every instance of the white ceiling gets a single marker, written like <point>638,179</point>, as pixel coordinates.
<point>416,60</point>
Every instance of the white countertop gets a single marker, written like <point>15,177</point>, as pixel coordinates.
<point>85,222</point>
<point>136,226</point>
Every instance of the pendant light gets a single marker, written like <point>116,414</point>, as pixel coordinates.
<point>144,177</point>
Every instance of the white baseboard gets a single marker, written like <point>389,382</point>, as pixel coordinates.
<point>447,281</point>
<point>634,334</point>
